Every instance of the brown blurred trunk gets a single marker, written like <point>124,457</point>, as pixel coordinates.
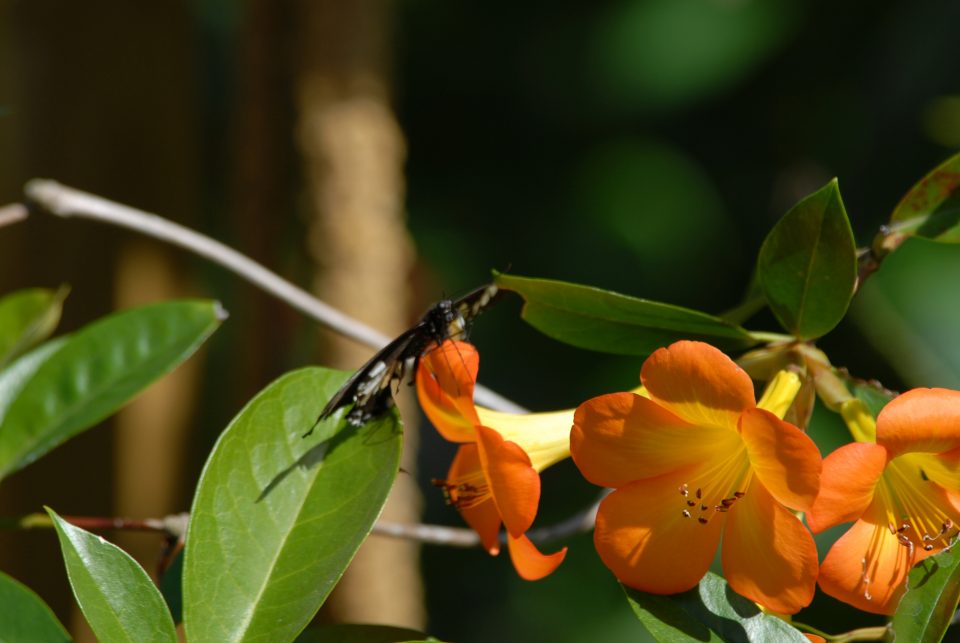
<point>152,431</point>
<point>353,154</point>
<point>99,95</point>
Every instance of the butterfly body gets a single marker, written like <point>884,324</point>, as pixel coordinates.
<point>369,388</point>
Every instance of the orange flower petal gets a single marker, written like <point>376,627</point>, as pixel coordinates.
<point>619,438</point>
<point>529,562</point>
<point>445,380</point>
<point>920,420</point>
<point>698,383</point>
<point>643,537</point>
<point>815,638</point>
<point>785,460</point>
<point>768,555</point>
<point>842,573</point>
<point>481,514</point>
<point>514,483</point>
<point>847,484</point>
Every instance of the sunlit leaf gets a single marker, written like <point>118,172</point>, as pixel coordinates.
<point>25,617</point>
<point>928,606</point>
<point>808,264</point>
<point>932,207</point>
<point>345,633</point>
<point>27,317</point>
<point>117,597</point>
<point>48,396</point>
<point>606,321</point>
<point>709,612</point>
<point>277,517</point>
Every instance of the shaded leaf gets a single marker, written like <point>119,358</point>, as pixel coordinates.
<point>873,395</point>
<point>25,617</point>
<point>346,633</point>
<point>931,208</point>
<point>118,599</point>
<point>92,373</point>
<point>27,317</point>
<point>928,606</point>
<point>276,517</point>
<point>808,264</point>
<point>709,612</point>
<point>606,321</point>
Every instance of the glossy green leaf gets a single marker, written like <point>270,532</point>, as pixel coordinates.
<point>606,321</point>
<point>92,373</point>
<point>117,597</point>
<point>346,633</point>
<point>932,207</point>
<point>928,606</point>
<point>27,317</point>
<point>709,612</point>
<point>808,264</point>
<point>277,517</point>
<point>25,617</point>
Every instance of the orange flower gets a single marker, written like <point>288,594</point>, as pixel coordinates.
<point>494,477</point>
<point>901,484</point>
<point>696,458</point>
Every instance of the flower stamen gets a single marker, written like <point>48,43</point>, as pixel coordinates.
<point>722,507</point>
<point>465,492</point>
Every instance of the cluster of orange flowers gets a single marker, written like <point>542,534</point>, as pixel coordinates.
<point>692,456</point>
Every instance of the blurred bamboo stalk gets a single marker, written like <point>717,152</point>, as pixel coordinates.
<point>353,154</point>
<point>151,432</point>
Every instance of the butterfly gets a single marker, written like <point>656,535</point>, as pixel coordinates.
<point>369,388</point>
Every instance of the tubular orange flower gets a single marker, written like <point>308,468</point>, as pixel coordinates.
<point>695,458</point>
<point>494,478</point>
<point>901,484</point>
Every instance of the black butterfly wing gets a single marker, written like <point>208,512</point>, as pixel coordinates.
<point>475,302</point>
<point>369,388</point>
<point>372,380</point>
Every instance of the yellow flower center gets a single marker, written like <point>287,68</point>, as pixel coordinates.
<point>464,491</point>
<point>718,484</point>
<point>910,502</point>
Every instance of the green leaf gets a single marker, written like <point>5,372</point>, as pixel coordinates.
<point>808,264</point>
<point>277,518</point>
<point>609,322</point>
<point>116,596</point>
<point>27,317</point>
<point>931,208</point>
<point>709,612</point>
<point>928,606</point>
<point>25,617</point>
<point>873,395</point>
<point>348,633</point>
<point>92,373</point>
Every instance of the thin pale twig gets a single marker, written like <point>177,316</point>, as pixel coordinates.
<point>64,201</point>
<point>10,214</point>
